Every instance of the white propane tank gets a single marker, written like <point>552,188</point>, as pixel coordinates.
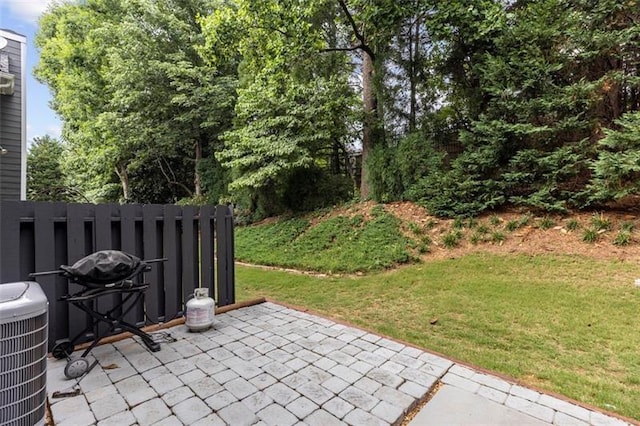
<point>200,310</point>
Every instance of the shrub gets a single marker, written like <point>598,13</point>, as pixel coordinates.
<point>622,239</point>
<point>498,237</point>
<point>573,224</point>
<point>627,226</point>
<point>458,223</point>
<point>590,236</point>
<point>476,238</point>
<point>451,239</point>
<point>512,225</point>
<point>546,223</point>
<point>600,222</point>
<point>482,229</point>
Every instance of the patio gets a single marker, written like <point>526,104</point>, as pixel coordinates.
<point>273,365</point>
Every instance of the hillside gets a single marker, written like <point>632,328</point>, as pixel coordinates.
<point>535,234</point>
<point>388,235</point>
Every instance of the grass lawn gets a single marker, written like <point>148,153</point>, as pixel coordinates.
<point>566,324</point>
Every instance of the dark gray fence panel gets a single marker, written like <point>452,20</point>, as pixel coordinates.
<point>103,230</point>
<point>150,237</point>
<point>189,254</point>
<point>207,221</point>
<point>37,237</point>
<point>128,244</point>
<point>172,279</point>
<point>225,250</point>
<point>52,285</point>
<point>9,236</point>
<point>77,241</point>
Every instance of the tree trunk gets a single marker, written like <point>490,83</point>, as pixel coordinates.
<point>197,180</point>
<point>370,102</point>
<point>414,46</point>
<point>121,171</point>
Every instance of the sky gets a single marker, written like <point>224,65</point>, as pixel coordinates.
<point>21,16</point>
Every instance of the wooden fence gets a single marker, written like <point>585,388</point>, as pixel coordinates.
<point>196,241</point>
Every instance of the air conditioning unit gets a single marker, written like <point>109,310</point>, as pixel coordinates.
<point>24,318</point>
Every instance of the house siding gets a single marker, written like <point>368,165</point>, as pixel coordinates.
<point>12,125</point>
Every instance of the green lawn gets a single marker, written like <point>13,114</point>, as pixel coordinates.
<point>564,324</point>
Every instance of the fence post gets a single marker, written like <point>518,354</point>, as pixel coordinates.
<point>225,255</point>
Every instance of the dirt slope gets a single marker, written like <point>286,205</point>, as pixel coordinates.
<point>531,238</point>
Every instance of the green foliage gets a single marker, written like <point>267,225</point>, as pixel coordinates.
<point>426,240</point>
<point>292,107</point>
<point>498,237</point>
<point>340,244</point>
<point>452,239</point>
<point>627,226</point>
<point>463,190</point>
<point>590,235</point>
<point>476,238</point>
<point>546,223</point>
<point>46,180</point>
<point>139,104</point>
<point>617,168</point>
<point>482,229</point>
<point>404,170</point>
<point>600,222</point>
<point>415,228</point>
<point>261,240</point>
<point>573,224</point>
<point>512,225</point>
<point>313,188</point>
<point>622,239</point>
<point>528,127</point>
<point>469,106</point>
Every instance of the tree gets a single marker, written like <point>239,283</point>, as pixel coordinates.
<point>46,181</point>
<point>537,82</point>
<point>372,26</point>
<point>71,60</point>
<point>139,103</point>
<point>293,102</point>
<point>617,168</point>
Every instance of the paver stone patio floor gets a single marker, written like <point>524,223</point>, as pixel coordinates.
<point>268,364</point>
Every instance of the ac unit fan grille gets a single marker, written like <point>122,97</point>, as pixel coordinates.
<point>23,371</point>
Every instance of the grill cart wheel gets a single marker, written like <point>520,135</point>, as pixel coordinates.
<point>62,349</point>
<point>76,368</point>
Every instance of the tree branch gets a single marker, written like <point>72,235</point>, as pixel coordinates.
<point>342,49</point>
<point>173,182</point>
<point>363,42</point>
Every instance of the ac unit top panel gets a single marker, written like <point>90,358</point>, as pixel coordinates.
<point>21,299</point>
